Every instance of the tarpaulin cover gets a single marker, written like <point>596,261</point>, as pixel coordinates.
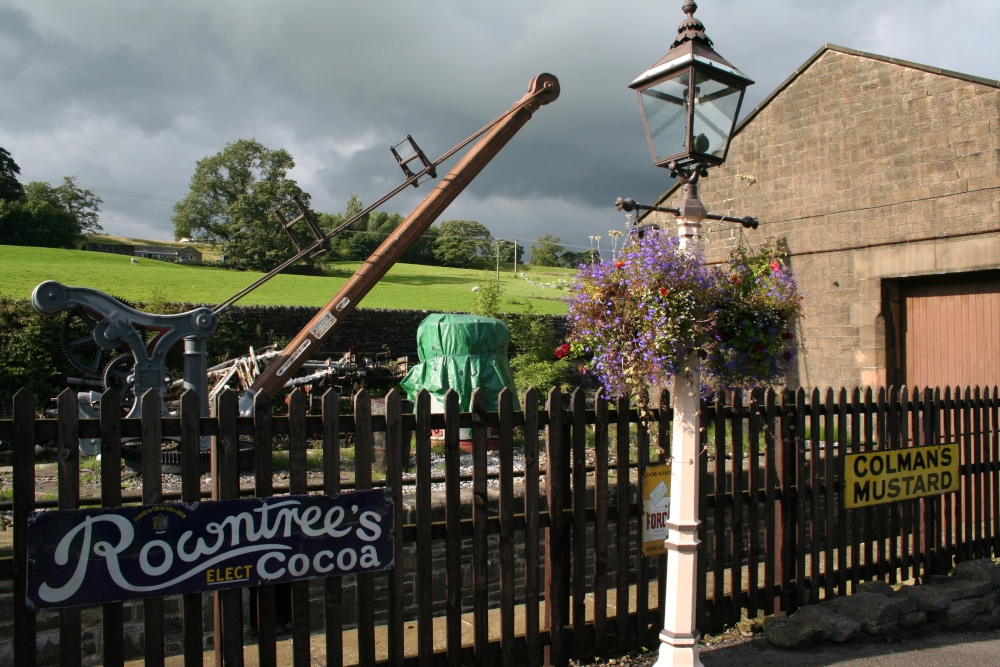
<point>461,352</point>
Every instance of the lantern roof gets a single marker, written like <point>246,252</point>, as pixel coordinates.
<point>691,46</point>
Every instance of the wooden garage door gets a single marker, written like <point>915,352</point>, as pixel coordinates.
<point>952,332</point>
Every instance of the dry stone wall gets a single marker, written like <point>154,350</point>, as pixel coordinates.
<point>969,600</point>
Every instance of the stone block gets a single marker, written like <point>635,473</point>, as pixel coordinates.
<point>876,613</point>
<point>788,633</point>
<point>826,624</point>
<point>988,620</point>
<point>879,587</point>
<point>960,589</point>
<point>982,569</point>
<point>927,598</point>
<point>912,619</point>
<point>960,612</point>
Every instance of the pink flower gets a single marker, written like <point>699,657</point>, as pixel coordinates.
<point>775,265</point>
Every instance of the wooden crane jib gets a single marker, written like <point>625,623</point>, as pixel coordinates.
<point>543,89</point>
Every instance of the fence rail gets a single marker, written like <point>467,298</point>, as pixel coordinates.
<point>544,564</point>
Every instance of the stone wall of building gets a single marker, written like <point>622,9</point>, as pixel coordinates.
<point>870,171</point>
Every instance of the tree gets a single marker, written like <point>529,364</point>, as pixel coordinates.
<point>232,198</point>
<point>463,244</point>
<point>37,223</point>
<point>545,251</point>
<point>82,204</point>
<point>573,260</point>
<point>47,216</point>
<point>507,250</point>
<point>10,187</point>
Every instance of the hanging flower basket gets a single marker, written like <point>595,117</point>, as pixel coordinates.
<point>640,318</point>
<point>756,303</point>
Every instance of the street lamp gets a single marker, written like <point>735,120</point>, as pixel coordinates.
<point>690,100</point>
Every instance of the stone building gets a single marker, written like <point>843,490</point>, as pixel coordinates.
<point>882,180</point>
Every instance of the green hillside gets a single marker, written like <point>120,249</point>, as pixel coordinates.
<point>406,286</point>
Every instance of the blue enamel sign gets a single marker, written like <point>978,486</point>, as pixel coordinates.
<point>93,556</point>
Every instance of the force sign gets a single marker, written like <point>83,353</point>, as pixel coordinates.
<point>889,475</point>
<point>655,509</point>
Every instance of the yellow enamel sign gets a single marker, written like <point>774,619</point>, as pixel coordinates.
<point>890,475</point>
<point>655,509</point>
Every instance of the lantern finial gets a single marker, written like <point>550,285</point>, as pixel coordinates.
<point>691,29</point>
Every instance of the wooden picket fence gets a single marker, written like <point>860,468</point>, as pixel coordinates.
<point>555,570</point>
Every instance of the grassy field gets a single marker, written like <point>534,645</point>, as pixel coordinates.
<point>406,286</point>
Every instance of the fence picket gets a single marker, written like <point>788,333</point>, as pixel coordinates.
<point>480,518</point>
<point>395,453</point>
<point>505,412</point>
<point>622,473</point>
<point>600,573</point>
<point>152,493</point>
<point>453,524</point>
<point>23,427</point>
<point>578,416</point>
<point>113,616</point>
<point>425,569</point>
<point>363,462</point>
<point>737,599</point>
<point>263,440</point>
<point>532,642</point>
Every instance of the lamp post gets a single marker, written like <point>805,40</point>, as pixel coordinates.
<point>690,100</point>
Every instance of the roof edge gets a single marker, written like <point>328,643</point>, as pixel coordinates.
<point>852,52</point>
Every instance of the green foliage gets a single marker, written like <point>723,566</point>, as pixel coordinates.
<point>232,198</point>
<point>10,188</point>
<point>463,243</point>
<point>36,223</point>
<point>488,296</point>
<point>29,352</point>
<point>545,251</point>
<point>46,216</point>
<point>572,260</point>
<point>536,364</point>
<point>508,250</point>
<point>82,204</point>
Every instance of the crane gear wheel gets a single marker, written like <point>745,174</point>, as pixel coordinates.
<point>118,378</point>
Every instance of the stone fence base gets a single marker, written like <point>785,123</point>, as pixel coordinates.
<point>969,600</point>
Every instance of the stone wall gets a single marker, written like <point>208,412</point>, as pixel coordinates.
<point>370,330</point>
<point>969,600</point>
<point>870,171</point>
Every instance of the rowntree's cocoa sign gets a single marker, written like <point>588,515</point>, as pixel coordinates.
<point>85,557</point>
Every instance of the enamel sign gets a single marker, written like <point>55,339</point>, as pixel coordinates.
<point>94,556</point>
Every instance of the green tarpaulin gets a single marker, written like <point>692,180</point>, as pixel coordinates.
<point>461,352</point>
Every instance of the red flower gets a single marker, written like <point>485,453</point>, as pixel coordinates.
<point>787,335</point>
<point>619,265</point>
<point>735,279</point>
<point>562,351</point>
<point>663,291</point>
<point>775,265</point>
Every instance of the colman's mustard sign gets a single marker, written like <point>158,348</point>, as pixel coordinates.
<point>890,475</point>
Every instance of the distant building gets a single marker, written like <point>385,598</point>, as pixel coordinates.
<point>882,179</point>
<point>163,253</point>
<point>169,254</point>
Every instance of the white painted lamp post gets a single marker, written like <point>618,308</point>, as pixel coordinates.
<point>690,100</point>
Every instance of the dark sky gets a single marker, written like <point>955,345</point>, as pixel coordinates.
<point>127,96</point>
